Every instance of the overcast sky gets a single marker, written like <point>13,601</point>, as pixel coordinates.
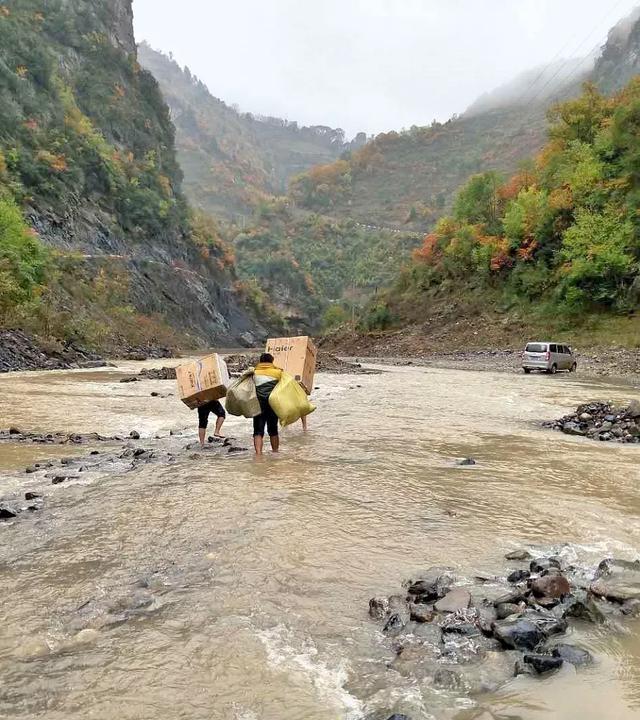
<point>369,65</point>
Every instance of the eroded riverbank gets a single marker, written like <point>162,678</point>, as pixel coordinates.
<point>218,587</point>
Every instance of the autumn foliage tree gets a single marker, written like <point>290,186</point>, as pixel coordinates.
<point>565,229</point>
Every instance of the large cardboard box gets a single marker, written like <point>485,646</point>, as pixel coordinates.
<point>202,381</point>
<point>297,356</point>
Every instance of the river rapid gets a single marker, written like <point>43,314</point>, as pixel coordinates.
<point>240,588</point>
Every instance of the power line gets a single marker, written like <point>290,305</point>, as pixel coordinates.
<point>563,65</point>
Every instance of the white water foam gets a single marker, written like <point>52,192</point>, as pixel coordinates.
<point>328,682</point>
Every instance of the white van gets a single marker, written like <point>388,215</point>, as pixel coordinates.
<point>548,357</point>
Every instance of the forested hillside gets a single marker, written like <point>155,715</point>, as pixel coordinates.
<point>317,270</point>
<point>94,228</point>
<point>558,240</point>
<point>233,161</point>
<point>409,178</point>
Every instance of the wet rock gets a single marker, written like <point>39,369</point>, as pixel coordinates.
<point>378,608</point>
<point>572,428</point>
<point>94,452</point>
<point>617,580</point>
<point>139,452</point>
<point>466,462</point>
<point>520,634</point>
<point>617,589</point>
<point>434,584</point>
<point>130,380</point>
<point>155,394</point>
<point>518,555</point>
<point>631,608</point>
<point>455,600</point>
<point>580,605</point>
<point>394,624</point>
<point>633,410</point>
<point>551,586</point>
<point>59,479</point>
<point>539,565</point>
<point>236,449</point>
<point>546,622</point>
<point>32,496</point>
<point>7,513</point>
<point>446,679</point>
<point>514,597</point>
<point>573,654</point>
<point>134,435</point>
<point>505,610</point>
<point>429,633</point>
<point>422,613</point>
<point>15,431</point>
<point>31,470</point>
<point>518,576</point>
<point>543,663</point>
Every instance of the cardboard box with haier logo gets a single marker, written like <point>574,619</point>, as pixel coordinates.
<point>202,381</point>
<point>297,356</point>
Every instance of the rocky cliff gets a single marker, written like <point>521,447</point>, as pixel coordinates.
<point>87,149</point>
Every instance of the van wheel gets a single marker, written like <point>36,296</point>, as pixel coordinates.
<point>554,369</point>
<point>574,367</point>
<point>526,370</point>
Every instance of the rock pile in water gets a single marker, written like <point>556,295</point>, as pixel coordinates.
<point>164,373</point>
<point>602,421</point>
<point>475,637</point>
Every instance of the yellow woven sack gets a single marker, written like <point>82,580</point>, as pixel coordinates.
<point>289,401</point>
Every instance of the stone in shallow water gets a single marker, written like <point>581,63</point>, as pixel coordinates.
<point>551,586</point>
<point>518,555</point>
<point>518,634</point>
<point>422,613</point>
<point>455,600</point>
<point>543,663</point>
<point>573,654</point>
<point>518,576</point>
<point>378,607</point>
<point>541,564</point>
<point>505,610</point>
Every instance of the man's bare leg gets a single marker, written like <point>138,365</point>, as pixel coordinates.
<point>304,424</point>
<point>202,432</point>
<point>219,424</point>
<point>258,444</point>
<point>275,443</point>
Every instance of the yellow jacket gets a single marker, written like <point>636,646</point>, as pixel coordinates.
<point>268,370</point>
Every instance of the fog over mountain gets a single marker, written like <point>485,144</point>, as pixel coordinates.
<point>370,65</point>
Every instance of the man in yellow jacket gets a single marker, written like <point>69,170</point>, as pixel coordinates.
<point>266,376</point>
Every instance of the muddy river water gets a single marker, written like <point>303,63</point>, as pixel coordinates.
<point>253,578</point>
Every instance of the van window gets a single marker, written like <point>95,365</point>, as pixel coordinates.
<point>554,349</point>
<point>565,350</point>
<point>536,348</point>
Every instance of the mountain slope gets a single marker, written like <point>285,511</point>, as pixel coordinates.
<point>87,150</point>
<point>407,179</point>
<point>233,161</point>
<point>555,244</point>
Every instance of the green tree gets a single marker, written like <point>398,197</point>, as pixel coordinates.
<point>479,202</point>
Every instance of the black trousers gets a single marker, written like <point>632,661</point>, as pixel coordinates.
<point>266,418</point>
